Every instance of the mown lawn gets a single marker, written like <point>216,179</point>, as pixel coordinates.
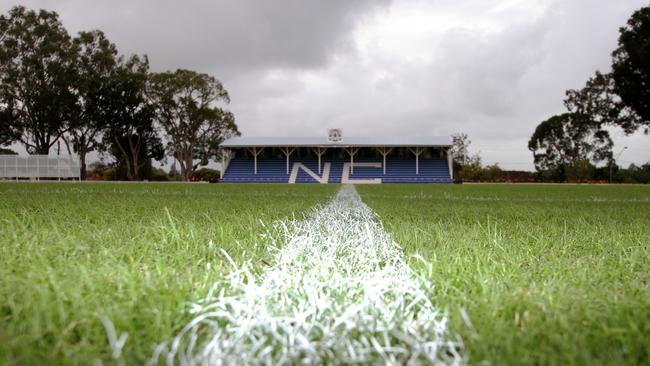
<point>533,275</point>
<point>553,275</point>
<point>136,254</point>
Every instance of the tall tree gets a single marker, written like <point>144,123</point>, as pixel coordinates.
<point>631,66</point>
<point>96,61</point>
<point>187,108</point>
<point>562,140</point>
<point>130,134</point>
<point>36,76</point>
<point>598,100</point>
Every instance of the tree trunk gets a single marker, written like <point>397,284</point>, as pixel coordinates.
<point>186,166</point>
<point>42,149</point>
<point>82,161</point>
<point>135,167</point>
<point>189,166</point>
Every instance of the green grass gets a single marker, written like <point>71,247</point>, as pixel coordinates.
<point>135,253</point>
<point>552,275</point>
<point>547,275</point>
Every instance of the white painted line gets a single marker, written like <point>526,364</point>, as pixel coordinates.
<point>339,291</point>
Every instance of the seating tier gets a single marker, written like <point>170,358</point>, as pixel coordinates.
<point>242,170</point>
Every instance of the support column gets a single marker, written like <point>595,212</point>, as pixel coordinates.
<point>255,153</point>
<point>417,152</point>
<point>287,152</point>
<point>384,151</point>
<point>319,151</point>
<point>223,163</point>
<point>450,162</point>
<point>352,151</point>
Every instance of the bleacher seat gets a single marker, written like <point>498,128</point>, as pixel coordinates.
<point>241,170</point>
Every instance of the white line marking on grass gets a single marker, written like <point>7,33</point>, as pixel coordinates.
<point>339,292</point>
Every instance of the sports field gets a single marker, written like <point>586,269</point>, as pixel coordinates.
<point>525,274</point>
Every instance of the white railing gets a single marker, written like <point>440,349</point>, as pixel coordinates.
<point>40,166</point>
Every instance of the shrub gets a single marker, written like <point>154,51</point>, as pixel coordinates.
<point>4,151</point>
<point>159,175</point>
<point>206,175</point>
<point>101,171</point>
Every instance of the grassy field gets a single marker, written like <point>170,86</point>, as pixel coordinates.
<point>135,253</point>
<point>529,274</point>
<point>552,275</point>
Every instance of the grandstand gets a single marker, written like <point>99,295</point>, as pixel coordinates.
<point>332,159</point>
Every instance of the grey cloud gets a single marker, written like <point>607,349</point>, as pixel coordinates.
<point>229,35</point>
<point>297,67</point>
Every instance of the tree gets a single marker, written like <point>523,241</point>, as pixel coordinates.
<point>580,170</point>
<point>631,66</point>
<point>599,101</point>
<point>471,170</point>
<point>130,135</point>
<point>187,109</point>
<point>36,76</point>
<point>8,132</point>
<point>96,61</point>
<point>460,147</point>
<point>564,139</point>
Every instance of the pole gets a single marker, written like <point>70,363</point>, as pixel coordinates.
<point>417,152</point>
<point>450,162</point>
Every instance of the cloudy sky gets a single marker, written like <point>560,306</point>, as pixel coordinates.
<point>493,69</point>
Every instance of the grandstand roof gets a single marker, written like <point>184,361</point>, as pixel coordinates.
<point>393,141</point>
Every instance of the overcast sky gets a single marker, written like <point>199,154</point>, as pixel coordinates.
<point>493,69</point>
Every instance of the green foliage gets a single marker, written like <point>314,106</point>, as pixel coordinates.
<point>130,134</point>
<point>560,141</point>
<point>187,109</point>
<point>8,131</point>
<point>631,65</point>
<point>159,175</point>
<point>580,170</point>
<point>206,175</point>
<point>474,171</point>
<point>598,100</point>
<point>36,77</point>
<point>95,64</point>
<point>101,171</point>
<point>633,174</point>
<point>532,274</point>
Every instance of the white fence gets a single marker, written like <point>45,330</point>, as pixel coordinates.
<point>39,166</point>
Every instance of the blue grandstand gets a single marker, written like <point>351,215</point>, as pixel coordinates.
<point>335,160</point>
